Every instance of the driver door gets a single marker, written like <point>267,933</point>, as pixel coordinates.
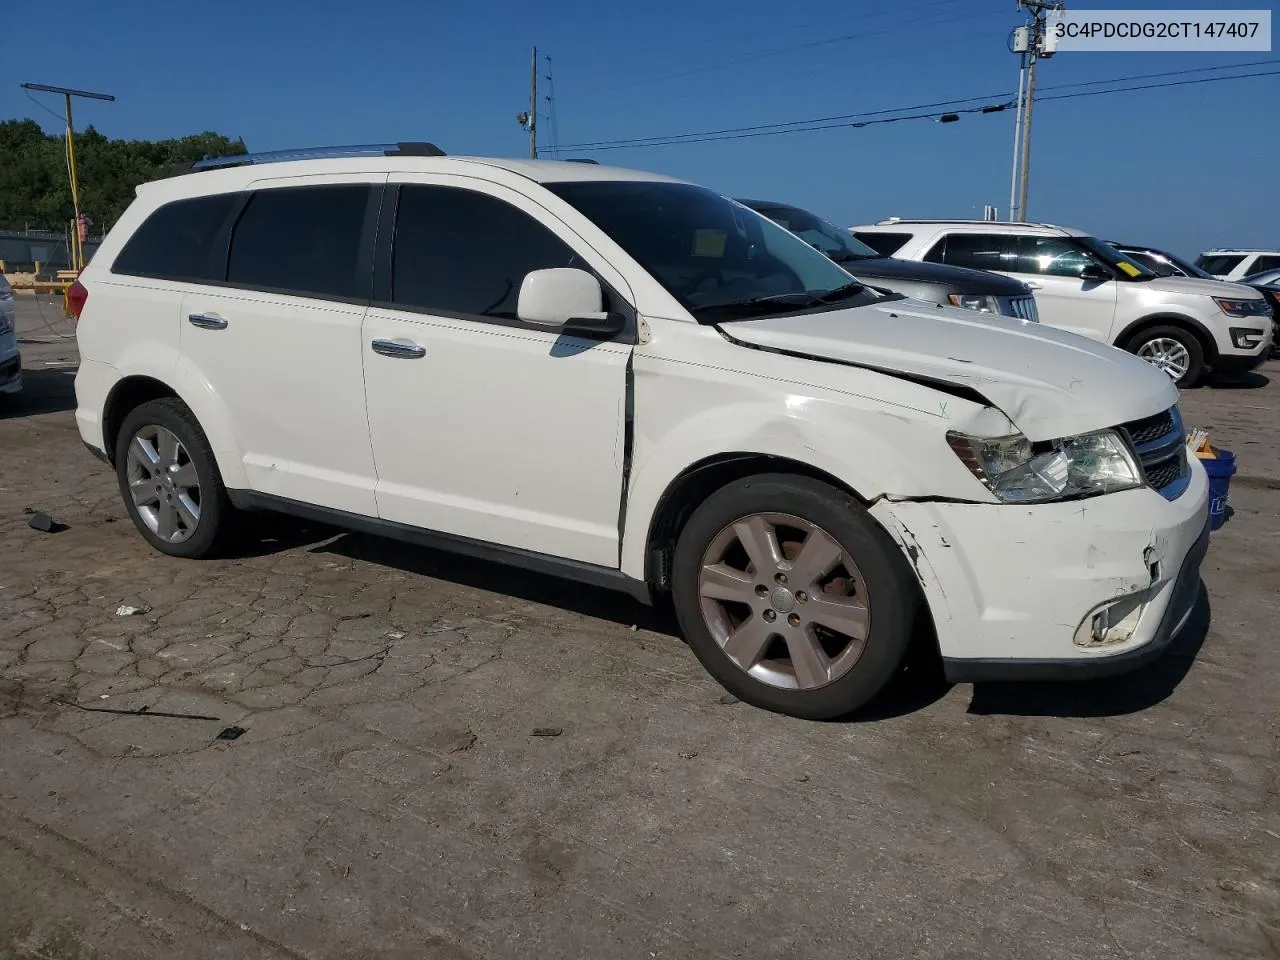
<point>1051,267</point>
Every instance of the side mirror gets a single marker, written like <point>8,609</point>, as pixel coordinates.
<point>564,297</point>
<point>1094,274</point>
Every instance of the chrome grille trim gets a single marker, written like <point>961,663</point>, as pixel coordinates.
<point>1023,308</point>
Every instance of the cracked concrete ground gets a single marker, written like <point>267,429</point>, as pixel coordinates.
<point>387,798</point>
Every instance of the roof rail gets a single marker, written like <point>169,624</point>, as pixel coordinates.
<point>1242,250</point>
<point>581,160</point>
<point>407,149</point>
<point>999,223</point>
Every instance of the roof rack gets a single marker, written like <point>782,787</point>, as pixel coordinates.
<point>581,160</point>
<point>998,223</point>
<point>407,149</point>
<point>1242,250</point>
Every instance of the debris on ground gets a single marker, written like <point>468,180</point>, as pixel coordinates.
<point>124,610</point>
<point>728,699</point>
<point>143,711</point>
<point>687,754</point>
<point>44,523</point>
<point>230,733</point>
<point>802,778</point>
<point>395,635</point>
<point>546,732</point>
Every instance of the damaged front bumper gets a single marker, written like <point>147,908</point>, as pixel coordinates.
<point>1065,590</point>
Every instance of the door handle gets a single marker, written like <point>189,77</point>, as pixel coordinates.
<point>399,349</point>
<point>207,321</point>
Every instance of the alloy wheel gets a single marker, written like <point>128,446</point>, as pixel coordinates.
<point>784,601</point>
<point>164,484</point>
<point>1168,355</point>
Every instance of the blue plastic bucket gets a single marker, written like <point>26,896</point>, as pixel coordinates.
<point>1220,470</point>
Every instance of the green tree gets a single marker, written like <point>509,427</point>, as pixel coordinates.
<point>34,190</point>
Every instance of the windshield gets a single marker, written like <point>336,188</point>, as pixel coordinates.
<point>1127,267</point>
<point>1189,268</point>
<point>822,235</point>
<point>719,259</point>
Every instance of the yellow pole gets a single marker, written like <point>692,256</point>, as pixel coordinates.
<point>75,187</point>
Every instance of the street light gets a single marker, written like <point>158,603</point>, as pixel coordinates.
<point>77,250</point>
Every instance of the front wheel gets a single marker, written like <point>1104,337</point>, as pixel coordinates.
<point>1174,351</point>
<point>792,596</point>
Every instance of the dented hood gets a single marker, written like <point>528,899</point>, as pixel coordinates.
<point>1050,383</point>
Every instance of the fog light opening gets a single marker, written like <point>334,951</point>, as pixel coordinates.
<point>1113,622</point>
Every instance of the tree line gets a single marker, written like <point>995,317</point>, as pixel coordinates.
<point>34,189</point>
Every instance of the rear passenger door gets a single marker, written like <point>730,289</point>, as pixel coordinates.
<point>279,338</point>
<point>484,427</point>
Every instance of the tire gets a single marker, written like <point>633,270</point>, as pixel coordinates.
<point>1159,342</point>
<point>182,474</point>
<point>746,627</point>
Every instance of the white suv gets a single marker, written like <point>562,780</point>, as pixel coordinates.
<point>1181,325</point>
<point>639,384</point>
<point>1235,264</point>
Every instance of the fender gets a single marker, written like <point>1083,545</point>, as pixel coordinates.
<point>876,453</point>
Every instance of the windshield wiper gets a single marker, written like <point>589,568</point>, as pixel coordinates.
<point>841,293</point>
<point>798,298</point>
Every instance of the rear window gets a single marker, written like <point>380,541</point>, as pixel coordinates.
<point>1219,263</point>
<point>1263,264</point>
<point>885,244</point>
<point>305,241</point>
<point>978,251</point>
<point>177,242</point>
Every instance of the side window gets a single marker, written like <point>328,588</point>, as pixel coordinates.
<point>303,240</point>
<point>1263,264</point>
<point>978,251</point>
<point>1051,256</point>
<point>885,244</point>
<point>461,252</point>
<point>1219,264</point>
<point>177,241</point>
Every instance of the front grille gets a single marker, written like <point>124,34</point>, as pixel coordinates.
<point>1024,308</point>
<point>1161,445</point>
<point>1151,428</point>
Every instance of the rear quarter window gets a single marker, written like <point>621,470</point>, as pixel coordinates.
<point>179,241</point>
<point>1263,264</point>
<point>885,244</point>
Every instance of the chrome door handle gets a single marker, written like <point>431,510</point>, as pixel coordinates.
<point>399,349</point>
<point>207,321</point>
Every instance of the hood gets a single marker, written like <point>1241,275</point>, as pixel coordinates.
<point>1050,383</point>
<point>1194,285</point>
<point>961,279</point>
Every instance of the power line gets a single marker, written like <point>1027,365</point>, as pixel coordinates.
<point>844,120</point>
<point>812,44</point>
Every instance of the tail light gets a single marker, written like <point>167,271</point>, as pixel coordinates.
<point>77,297</point>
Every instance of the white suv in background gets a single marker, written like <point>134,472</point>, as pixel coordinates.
<point>639,384</point>
<point>1235,264</point>
<point>1183,326</point>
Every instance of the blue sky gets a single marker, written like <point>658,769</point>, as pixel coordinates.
<point>1185,167</point>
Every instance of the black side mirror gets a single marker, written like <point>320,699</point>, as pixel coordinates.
<point>1094,274</point>
<point>603,325</point>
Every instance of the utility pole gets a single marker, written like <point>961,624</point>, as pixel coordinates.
<point>533,105</point>
<point>77,248</point>
<point>1033,43</point>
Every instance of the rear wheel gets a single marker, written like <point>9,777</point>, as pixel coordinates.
<point>1173,350</point>
<point>169,479</point>
<point>792,597</point>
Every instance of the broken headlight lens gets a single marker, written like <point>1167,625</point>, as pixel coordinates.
<point>1018,471</point>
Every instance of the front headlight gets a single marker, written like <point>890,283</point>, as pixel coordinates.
<point>1243,308</point>
<point>974,302</point>
<point>1018,471</point>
